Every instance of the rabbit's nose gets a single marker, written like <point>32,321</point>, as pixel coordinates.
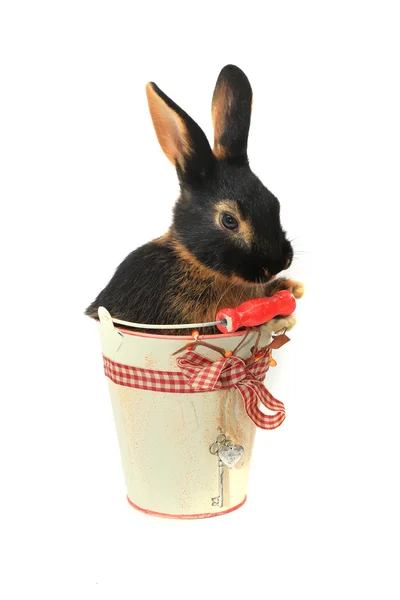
<point>287,264</point>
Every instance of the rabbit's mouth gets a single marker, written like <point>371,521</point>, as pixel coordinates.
<point>255,284</point>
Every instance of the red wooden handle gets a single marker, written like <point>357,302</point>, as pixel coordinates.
<point>256,312</point>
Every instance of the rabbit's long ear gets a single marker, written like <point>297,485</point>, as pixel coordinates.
<point>181,139</point>
<point>231,112</point>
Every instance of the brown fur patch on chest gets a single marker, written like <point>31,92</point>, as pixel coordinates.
<point>202,292</point>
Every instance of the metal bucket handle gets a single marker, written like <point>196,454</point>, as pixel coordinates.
<point>108,330</point>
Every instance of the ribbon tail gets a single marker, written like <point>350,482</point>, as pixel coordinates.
<point>270,402</point>
<point>251,395</point>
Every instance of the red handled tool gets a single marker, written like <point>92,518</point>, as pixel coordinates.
<point>256,312</point>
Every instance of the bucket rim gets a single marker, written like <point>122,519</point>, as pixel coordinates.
<point>213,336</point>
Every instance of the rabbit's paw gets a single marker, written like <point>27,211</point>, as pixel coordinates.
<point>282,283</point>
<point>296,287</point>
<point>280,323</point>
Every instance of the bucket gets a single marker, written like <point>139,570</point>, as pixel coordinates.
<point>186,422</point>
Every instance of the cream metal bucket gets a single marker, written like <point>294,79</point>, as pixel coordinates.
<point>165,438</point>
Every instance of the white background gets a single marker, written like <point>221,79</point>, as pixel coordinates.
<point>83,182</point>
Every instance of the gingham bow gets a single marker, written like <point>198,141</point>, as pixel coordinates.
<point>204,374</point>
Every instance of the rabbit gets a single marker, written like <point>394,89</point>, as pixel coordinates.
<point>226,243</point>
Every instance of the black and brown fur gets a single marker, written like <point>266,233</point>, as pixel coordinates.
<point>199,266</point>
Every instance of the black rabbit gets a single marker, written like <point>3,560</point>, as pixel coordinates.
<point>226,242</point>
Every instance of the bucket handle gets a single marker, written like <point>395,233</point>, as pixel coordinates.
<point>107,328</point>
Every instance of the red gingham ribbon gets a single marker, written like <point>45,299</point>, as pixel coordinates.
<point>206,375</point>
<point>199,373</point>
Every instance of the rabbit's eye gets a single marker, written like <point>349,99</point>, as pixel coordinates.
<point>229,221</point>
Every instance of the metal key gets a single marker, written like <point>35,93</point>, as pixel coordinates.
<point>214,449</point>
<point>219,500</point>
<point>228,455</point>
